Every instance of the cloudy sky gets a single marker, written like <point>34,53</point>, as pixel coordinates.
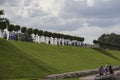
<point>86,18</point>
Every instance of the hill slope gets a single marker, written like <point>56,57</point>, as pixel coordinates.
<point>24,59</point>
<point>16,63</point>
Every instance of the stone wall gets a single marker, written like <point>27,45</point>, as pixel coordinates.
<point>76,74</point>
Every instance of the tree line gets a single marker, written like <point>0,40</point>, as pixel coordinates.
<point>26,33</point>
<point>109,41</point>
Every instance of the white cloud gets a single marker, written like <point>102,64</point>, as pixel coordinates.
<point>93,32</point>
<point>90,3</point>
<point>53,7</point>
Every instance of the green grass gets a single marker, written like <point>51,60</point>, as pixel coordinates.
<point>16,63</point>
<point>30,60</point>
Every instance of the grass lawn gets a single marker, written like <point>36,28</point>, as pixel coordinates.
<point>31,60</point>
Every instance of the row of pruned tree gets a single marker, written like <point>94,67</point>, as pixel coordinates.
<point>39,36</point>
<point>109,41</point>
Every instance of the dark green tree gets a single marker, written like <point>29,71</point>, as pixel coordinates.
<point>49,36</point>
<point>109,41</point>
<point>54,35</point>
<point>95,41</point>
<point>16,28</point>
<point>4,22</point>
<point>23,29</point>
<point>30,31</point>
<point>10,28</point>
<point>35,31</point>
<point>40,32</point>
<point>1,12</point>
<point>46,34</point>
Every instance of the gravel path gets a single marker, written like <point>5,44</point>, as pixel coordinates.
<point>92,77</point>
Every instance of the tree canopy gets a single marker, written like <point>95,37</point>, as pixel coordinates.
<point>110,38</point>
<point>1,12</point>
<point>109,41</point>
<point>4,22</point>
<point>23,29</point>
<point>10,27</point>
<point>16,28</point>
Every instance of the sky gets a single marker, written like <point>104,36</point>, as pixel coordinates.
<point>84,18</point>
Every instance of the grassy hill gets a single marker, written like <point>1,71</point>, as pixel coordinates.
<point>16,63</point>
<point>30,60</point>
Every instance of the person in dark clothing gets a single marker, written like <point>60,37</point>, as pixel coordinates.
<point>101,71</point>
<point>110,70</point>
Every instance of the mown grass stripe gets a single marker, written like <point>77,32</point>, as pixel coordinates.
<point>30,60</point>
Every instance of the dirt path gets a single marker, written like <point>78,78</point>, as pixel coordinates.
<point>92,77</point>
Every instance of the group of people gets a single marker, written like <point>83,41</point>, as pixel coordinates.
<point>12,36</point>
<point>105,70</point>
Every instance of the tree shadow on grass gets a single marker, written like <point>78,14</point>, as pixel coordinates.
<point>103,51</point>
